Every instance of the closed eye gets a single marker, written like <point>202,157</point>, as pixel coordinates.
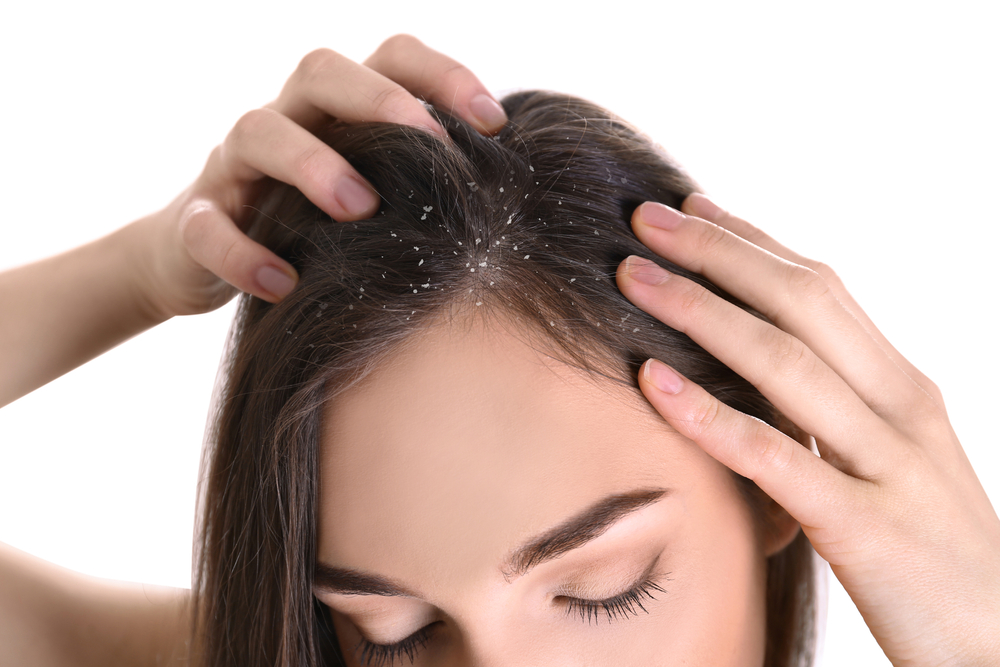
<point>371,654</point>
<point>621,606</point>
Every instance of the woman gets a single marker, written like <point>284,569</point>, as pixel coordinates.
<point>887,488</point>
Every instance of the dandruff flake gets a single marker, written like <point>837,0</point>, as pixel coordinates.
<point>418,263</point>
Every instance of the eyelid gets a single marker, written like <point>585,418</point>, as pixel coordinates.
<point>371,654</point>
<point>620,606</point>
<point>580,592</point>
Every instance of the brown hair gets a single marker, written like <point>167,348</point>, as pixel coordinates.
<point>531,223</point>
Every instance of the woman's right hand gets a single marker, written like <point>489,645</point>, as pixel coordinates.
<point>194,253</point>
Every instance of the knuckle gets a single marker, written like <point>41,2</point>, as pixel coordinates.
<point>311,162</point>
<point>922,410</point>
<point>766,450</point>
<point>249,125</point>
<point>703,416</point>
<point>932,390</point>
<point>390,98</point>
<point>787,355</point>
<point>824,270</point>
<point>315,62</point>
<point>808,283</point>
<point>399,42</point>
<point>692,299</point>
<point>714,240</point>
<point>455,70</point>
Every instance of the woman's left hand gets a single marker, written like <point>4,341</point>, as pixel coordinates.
<point>892,503</point>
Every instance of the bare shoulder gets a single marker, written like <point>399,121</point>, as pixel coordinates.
<point>51,616</point>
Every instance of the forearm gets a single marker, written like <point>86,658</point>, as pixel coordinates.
<point>62,311</point>
<point>51,616</point>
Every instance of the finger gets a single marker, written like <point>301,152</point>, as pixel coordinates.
<point>699,205</point>
<point>782,367</point>
<point>327,83</point>
<point>444,82</point>
<point>810,489</point>
<point>797,299</point>
<point>214,241</point>
<point>264,142</point>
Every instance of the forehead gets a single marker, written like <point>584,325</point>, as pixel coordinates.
<point>469,442</point>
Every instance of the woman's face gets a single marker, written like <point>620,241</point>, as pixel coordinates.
<point>474,492</point>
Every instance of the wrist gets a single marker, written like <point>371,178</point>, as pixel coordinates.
<point>134,243</point>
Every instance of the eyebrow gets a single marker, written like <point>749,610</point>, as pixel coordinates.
<point>571,534</point>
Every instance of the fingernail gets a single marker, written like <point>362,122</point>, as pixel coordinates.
<point>275,281</point>
<point>356,197</point>
<point>661,216</point>
<point>487,111</point>
<point>708,208</point>
<point>645,271</point>
<point>663,377</point>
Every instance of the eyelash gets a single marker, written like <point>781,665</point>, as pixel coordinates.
<point>620,606</point>
<point>371,654</point>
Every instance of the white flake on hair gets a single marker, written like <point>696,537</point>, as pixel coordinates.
<point>418,264</point>
<point>527,256</point>
<point>426,285</point>
<point>350,306</point>
<point>501,188</point>
<point>479,303</point>
<point>393,235</point>
<point>572,279</point>
<point>428,208</point>
<point>361,289</point>
<point>423,217</point>
<point>414,291</point>
<point>515,247</point>
<point>531,168</point>
<point>478,241</point>
<point>482,264</point>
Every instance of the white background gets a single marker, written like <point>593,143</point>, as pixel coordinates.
<point>860,133</point>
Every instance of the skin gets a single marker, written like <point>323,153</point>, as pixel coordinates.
<point>424,487</point>
<point>892,504</point>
